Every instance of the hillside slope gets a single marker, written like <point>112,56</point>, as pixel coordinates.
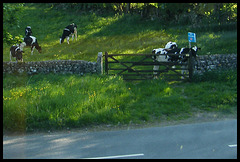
<point>114,34</point>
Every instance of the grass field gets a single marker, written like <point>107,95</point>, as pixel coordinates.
<point>44,102</point>
<point>113,33</point>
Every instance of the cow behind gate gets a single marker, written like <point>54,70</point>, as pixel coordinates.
<point>171,48</point>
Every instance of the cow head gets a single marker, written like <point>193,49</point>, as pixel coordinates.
<point>19,55</point>
<point>194,50</point>
<point>171,45</point>
<point>39,49</point>
<point>153,52</point>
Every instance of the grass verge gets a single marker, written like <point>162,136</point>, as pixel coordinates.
<point>53,102</point>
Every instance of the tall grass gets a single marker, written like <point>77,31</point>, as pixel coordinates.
<point>64,101</point>
<point>43,102</point>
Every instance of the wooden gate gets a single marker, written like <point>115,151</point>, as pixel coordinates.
<point>140,67</point>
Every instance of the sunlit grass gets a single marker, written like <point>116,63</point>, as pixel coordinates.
<point>60,101</point>
<point>113,33</point>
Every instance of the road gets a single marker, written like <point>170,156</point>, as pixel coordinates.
<point>217,140</point>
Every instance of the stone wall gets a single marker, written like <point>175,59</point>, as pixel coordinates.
<point>203,63</point>
<point>55,66</point>
<point>217,61</point>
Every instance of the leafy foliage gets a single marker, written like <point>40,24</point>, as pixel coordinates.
<point>11,19</point>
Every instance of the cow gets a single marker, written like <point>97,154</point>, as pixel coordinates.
<point>162,57</point>
<point>171,48</point>
<point>182,52</point>
<point>31,41</point>
<point>69,30</point>
<point>181,57</point>
<point>28,31</point>
<point>171,45</point>
<point>17,51</point>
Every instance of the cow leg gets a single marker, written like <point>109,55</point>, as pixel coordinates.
<point>10,56</point>
<point>68,40</point>
<point>32,49</point>
<point>75,32</point>
<point>155,67</point>
<point>183,72</point>
<point>72,37</point>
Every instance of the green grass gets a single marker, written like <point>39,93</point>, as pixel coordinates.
<point>44,102</point>
<point>112,33</point>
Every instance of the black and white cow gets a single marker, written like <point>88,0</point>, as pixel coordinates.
<point>161,52</point>
<point>28,31</point>
<point>160,57</point>
<point>31,41</point>
<point>182,58</point>
<point>171,45</point>
<point>17,51</point>
<point>171,48</point>
<point>69,30</point>
<point>182,52</point>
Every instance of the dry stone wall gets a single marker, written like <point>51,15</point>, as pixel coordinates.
<point>59,66</point>
<point>202,64</point>
<point>218,61</point>
<point>55,66</point>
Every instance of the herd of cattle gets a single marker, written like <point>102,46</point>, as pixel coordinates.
<point>176,54</point>
<point>31,41</point>
<point>161,53</point>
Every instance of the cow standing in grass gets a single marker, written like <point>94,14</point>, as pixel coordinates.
<point>69,30</point>
<point>31,41</point>
<point>17,51</point>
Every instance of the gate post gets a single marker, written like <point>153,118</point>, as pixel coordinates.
<point>100,63</point>
<point>106,62</point>
<point>190,66</point>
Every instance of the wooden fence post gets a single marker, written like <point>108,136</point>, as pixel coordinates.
<point>190,66</point>
<point>106,63</point>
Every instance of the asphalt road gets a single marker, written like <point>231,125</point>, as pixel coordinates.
<point>217,140</point>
